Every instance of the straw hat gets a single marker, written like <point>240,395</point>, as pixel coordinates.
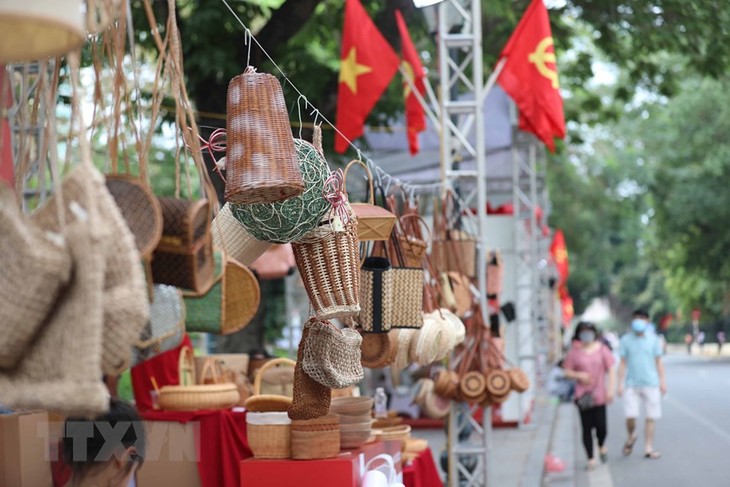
<point>376,349</point>
<point>424,347</point>
<point>405,337</point>
<point>457,325</point>
<point>423,388</point>
<point>435,406</point>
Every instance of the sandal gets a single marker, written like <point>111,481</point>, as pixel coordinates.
<point>629,446</point>
<point>652,455</point>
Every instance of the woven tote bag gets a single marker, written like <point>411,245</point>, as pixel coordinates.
<point>184,256</point>
<point>36,267</point>
<point>376,295</point>
<point>332,356</point>
<point>329,264</point>
<point>229,305</point>
<point>230,234</point>
<point>261,162</point>
<point>374,222</point>
<point>289,220</point>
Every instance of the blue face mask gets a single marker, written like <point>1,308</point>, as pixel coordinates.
<point>639,326</point>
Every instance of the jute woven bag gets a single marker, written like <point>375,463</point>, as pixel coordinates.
<point>311,399</point>
<point>332,356</point>
<point>261,164</point>
<point>36,267</point>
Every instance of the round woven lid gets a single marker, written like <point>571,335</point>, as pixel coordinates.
<point>376,350</point>
<point>498,382</point>
<point>263,403</point>
<point>289,220</point>
<point>519,380</point>
<point>140,209</point>
<point>472,385</point>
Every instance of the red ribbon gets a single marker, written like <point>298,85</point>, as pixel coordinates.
<point>335,195</point>
<point>215,143</point>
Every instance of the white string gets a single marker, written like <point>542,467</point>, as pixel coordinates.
<point>431,187</point>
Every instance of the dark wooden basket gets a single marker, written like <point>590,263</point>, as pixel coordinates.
<point>184,256</point>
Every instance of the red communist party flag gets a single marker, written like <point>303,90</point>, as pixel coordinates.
<point>559,253</point>
<point>412,67</point>
<point>368,65</point>
<point>530,76</point>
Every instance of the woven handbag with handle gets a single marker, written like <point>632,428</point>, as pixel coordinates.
<point>166,328</point>
<point>374,222</point>
<point>229,305</point>
<point>261,163</point>
<point>332,356</point>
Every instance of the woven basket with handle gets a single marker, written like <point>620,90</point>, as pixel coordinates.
<point>374,222</point>
<point>259,402</point>
<point>261,163</point>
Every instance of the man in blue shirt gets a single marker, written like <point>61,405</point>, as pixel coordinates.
<point>641,366</point>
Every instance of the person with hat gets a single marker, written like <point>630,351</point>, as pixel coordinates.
<point>643,370</point>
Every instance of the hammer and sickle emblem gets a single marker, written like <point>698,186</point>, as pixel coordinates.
<point>541,57</point>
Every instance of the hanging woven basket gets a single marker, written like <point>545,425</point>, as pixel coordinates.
<point>261,162</point>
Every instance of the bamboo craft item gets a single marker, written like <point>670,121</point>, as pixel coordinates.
<point>332,356</point>
<point>268,402</point>
<point>374,222</point>
<point>269,434</point>
<point>261,163</point>
<point>311,399</point>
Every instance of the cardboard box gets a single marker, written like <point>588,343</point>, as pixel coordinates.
<point>171,455</point>
<point>344,471</point>
<point>24,450</point>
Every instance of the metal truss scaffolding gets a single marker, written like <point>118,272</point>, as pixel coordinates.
<point>461,81</point>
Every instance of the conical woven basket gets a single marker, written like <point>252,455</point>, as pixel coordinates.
<point>261,163</point>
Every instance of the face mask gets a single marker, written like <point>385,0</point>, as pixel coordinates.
<point>586,336</point>
<point>639,326</point>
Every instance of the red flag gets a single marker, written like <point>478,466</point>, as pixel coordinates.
<point>530,76</point>
<point>415,117</point>
<point>566,303</point>
<point>559,253</point>
<point>368,65</point>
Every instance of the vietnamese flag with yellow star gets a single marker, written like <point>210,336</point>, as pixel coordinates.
<point>559,253</point>
<point>368,65</point>
<point>530,75</point>
<point>412,67</point>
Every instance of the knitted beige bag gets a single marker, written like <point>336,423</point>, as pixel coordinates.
<point>35,269</point>
<point>61,370</point>
<point>332,356</point>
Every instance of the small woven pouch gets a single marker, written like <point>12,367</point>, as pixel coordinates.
<point>332,356</point>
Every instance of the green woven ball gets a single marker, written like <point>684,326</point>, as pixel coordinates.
<point>289,220</point>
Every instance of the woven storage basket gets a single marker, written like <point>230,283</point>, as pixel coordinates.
<point>375,222</point>
<point>519,380</point>
<point>376,295</point>
<point>456,253</point>
<point>329,265</point>
<point>268,402</point>
<point>261,163</point>
<point>229,305</point>
<point>39,29</point>
<point>332,356</point>
<point>498,382</point>
<point>140,208</point>
<point>414,248</point>
<point>289,220</point>
<point>269,434</point>
<point>315,438</point>
<point>407,306</point>
<point>184,256</point>
<point>35,270</point>
<point>231,235</point>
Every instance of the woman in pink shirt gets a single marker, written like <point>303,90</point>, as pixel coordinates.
<point>588,362</point>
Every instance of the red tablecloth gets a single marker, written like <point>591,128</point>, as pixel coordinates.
<point>165,368</point>
<point>422,472</point>
<point>222,444</point>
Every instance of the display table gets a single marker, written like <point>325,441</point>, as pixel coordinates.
<point>216,441</point>
<point>422,471</point>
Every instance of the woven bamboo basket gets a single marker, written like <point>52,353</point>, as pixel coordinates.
<point>414,248</point>
<point>375,222</point>
<point>184,256</point>
<point>261,163</point>
<point>268,402</point>
<point>330,270</point>
<point>231,235</point>
<point>193,398</point>
<point>140,209</point>
<point>269,434</point>
<point>317,438</point>
<point>472,385</point>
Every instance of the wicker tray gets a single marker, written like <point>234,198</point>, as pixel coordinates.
<point>192,398</point>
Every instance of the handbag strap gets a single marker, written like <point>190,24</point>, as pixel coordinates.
<point>371,193</point>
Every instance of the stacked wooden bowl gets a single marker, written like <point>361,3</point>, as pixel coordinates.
<point>355,421</point>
